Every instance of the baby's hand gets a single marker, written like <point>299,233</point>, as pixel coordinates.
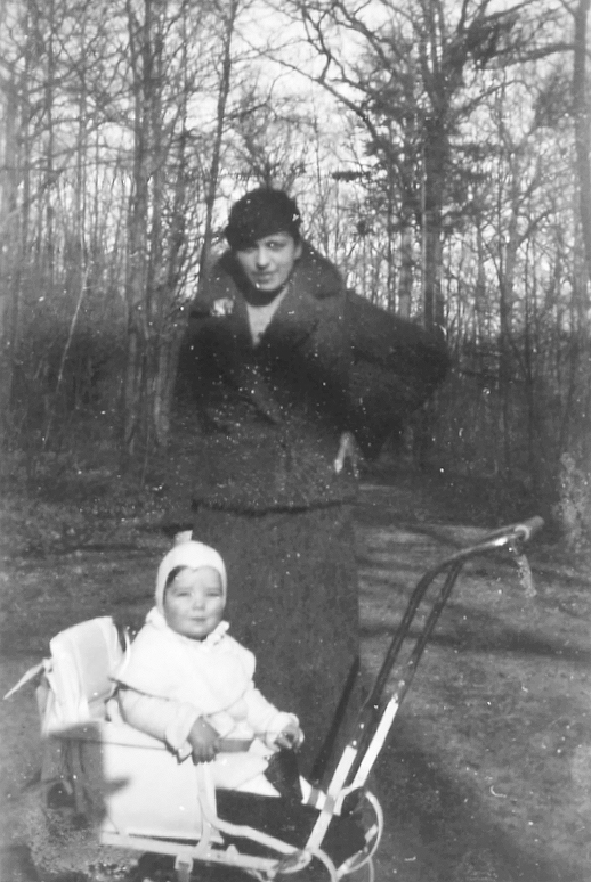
<point>291,737</point>
<point>204,741</point>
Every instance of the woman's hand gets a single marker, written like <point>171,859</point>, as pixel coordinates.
<point>291,737</point>
<point>204,741</point>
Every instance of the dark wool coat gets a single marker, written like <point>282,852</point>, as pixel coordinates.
<point>262,425</point>
<point>275,411</point>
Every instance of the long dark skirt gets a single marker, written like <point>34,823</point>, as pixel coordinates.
<point>293,601</point>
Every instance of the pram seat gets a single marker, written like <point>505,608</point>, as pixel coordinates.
<point>116,774</point>
<point>141,787</point>
<point>132,785</point>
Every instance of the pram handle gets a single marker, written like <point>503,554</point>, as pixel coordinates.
<point>523,530</point>
<point>512,537</point>
<point>379,710</point>
<point>533,526</point>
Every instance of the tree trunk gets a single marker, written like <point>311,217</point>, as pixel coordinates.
<point>157,294</point>
<point>49,168</point>
<point>169,342</point>
<point>134,397</point>
<point>23,173</point>
<point>582,114</point>
<point>9,244</point>
<point>223,91</point>
<point>506,279</point>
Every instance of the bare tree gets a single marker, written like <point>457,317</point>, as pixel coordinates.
<point>582,115</point>
<point>227,14</point>
<point>423,73</point>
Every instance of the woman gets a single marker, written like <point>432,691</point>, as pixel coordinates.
<point>265,370</point>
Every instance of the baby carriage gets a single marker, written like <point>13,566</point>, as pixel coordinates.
<point>145,801</point>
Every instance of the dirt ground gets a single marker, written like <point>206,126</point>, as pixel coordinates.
<point>487,774</point>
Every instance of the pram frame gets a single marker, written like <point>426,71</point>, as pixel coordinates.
<point>356,761</point>
<point>379,710</point>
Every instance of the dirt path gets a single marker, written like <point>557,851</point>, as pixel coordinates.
<point>487,774</point>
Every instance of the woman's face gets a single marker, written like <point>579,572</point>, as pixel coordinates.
<point>268,263</point>
<point>194,603</point>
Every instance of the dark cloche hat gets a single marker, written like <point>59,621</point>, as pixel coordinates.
<point>261,213</point>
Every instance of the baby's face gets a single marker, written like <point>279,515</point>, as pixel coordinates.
<point>193,604</point>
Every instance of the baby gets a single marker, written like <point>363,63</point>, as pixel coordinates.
<point>189,684</point>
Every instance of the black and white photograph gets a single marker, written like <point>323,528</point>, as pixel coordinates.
<point>295,441</point>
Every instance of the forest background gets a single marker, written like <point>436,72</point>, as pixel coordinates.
<point>440,152</point>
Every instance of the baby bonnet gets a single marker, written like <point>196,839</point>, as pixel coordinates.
<point>189,554</point>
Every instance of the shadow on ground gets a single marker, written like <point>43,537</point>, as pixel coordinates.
<point>436,832</point>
